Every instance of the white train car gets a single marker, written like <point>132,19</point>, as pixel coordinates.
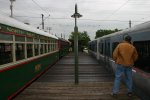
<point>102,48</point>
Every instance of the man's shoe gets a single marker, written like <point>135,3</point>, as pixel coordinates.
<point>113,94</point>
<point>129,94</point>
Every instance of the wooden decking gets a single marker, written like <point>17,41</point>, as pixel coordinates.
<point>95,83</point>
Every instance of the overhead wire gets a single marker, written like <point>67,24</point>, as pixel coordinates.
<point>117,9</point>
<point>42,10</point>
<point>83,19</point>
<point>79,19</point>
<point>39,6</point>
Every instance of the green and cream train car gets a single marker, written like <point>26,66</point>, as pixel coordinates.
<point>25,53</point>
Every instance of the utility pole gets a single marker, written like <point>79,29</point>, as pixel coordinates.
<point>61,35</point>
<point>64,36</point>
<point>49,29</point>
<point>129,23</point>
<point>42,21</point>
<point>11,7</point>
<point>76,15</point>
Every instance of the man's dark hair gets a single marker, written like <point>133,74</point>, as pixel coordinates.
<point>127,38</point>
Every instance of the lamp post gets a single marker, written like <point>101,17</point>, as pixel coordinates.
<point>11,7</point>
<point>76,15</point>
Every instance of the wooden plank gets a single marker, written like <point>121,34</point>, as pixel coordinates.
<point>69,91</point>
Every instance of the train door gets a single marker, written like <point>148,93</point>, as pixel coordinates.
<point>107,53</point>
<point>98,47</point>
<point>95,48</point>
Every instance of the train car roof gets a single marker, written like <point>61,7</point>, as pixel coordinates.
<point>62,39</point>
<point>140,27</point>
<point>17,24</point>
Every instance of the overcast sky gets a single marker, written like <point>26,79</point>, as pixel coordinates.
<point>97,14</point>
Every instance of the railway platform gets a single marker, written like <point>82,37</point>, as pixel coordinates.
<point>95,82</point>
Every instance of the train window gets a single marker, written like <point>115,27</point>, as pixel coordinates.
<point>55,45</point>
<point>36,40</point>
<point>5,53</point>
<point>143,49</point>
<point>101,48</point>
<point>41,49</point>
<point>20,38</point>
<point>29,50</point>
<point>51,47</point>
<point>107,49</point>
<point>36,49</point>
<point>92,46</point>
<point>95,46</point>
<point>114,45</point>
<point>42,41</point>
<point>29,39</point>
<point>45,48</point>
<point>20,54</point>
<point>48,47</point>
<point>6,37</point>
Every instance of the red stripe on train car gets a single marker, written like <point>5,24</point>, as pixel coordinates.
<point>144,74</point>
<point>28,83</point>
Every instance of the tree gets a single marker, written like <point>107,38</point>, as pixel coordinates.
<point>100,33</point>
<point>83,39</point>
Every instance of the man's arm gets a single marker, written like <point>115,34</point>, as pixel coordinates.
<point>115,53</point>
<point>135,54</point>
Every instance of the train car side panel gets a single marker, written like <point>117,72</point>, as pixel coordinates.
<point>16,77</point>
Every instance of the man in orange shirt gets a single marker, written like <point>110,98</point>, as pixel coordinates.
<point>124,55</point>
